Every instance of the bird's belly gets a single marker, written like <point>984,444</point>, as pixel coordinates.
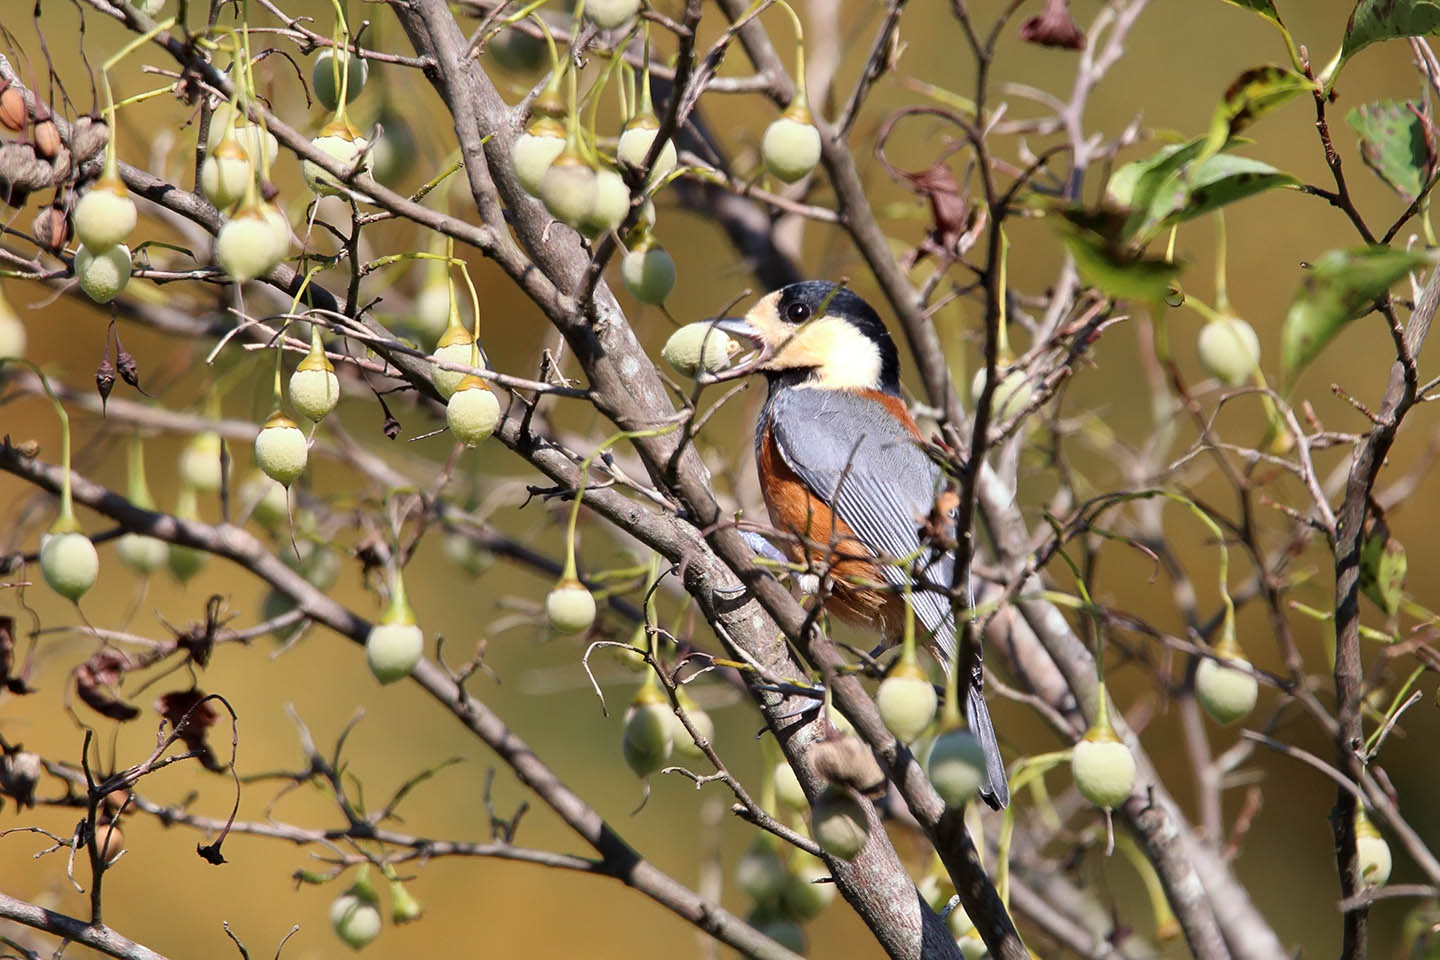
<point>858,591</point>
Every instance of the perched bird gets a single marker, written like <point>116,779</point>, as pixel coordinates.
<point>841,468</point>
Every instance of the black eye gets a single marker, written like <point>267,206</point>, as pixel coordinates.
<point>797,312</point>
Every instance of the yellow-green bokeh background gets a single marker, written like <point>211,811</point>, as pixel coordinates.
<point>1179,58</point>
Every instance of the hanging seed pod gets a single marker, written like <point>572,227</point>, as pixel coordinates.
<point>906,700</point>
<point>395,644</point>
<point>69,563</point>
<point>456,345</point>
<point>314,388</point>
<point>1371,850</point>
<point>355,915</point>
<point>252,242</point>
<point>647,270</point>
<point>957,767</point>
<point>611,14</point>
<point>472,411</point>
<point>200,463</point>
<point>1229,350</point>
<point>47,138</point>
<point>325,77</point>
<point>105,215</point>
<point>342,142</point>
<point>570,607</point>
<point>635,142</point>
<point>535,150</point>
<point>226,173</point>
<point>51,228</point>
<point>612,202</point>
<point>103,275</point>
<point>1103,767</point>
<point>1225,687</point>
<point>646,738</point>
<point>12,107</point>
<point>839,824</point>
<point>281,449</point>
<point>791,145</point>
<point>760,872</point>
<point>569,188</point>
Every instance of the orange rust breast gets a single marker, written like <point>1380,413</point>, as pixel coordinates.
<point>829,544</point>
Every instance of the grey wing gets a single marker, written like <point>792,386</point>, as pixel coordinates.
<point>852,452</point>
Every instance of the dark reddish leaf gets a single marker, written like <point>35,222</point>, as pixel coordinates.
<point>190,713</point>
<point>95,680</point>
<point>1054,27</point>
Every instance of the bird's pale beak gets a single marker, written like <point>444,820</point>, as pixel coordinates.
<point>740,328</point>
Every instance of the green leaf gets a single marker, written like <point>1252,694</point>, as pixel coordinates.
<point>1340,286</point>
<point>1392,143</point>
<point>1374,20</point>
<point>1265,8</point>
<point>1096,240</point>
<point>1170,187</point>
<point>1254,93</point>
<point>1382,571</point>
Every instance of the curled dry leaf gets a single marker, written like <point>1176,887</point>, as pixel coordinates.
<point>191,715</point>
<point>95,681</point>
<point>1054,27</point>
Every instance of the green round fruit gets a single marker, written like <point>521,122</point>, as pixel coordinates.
<point>105,215</point>
<point>472,412</point>
<point>325,77</point>
<point>142,554</point>
<point>226,174</point>
<point>699,346</point>
<point>103,275</point>
<point>612,203</point>
<point>69,563</point>
<point>535,151</point>
<point>790,148</point>
<point>569,189</point>
<point>646,740</point>
<point>838,823</point>
<point>685,745</point>
<point>393,649</point>
<point>907,704</point>
<point>611,14</point>
<point>957,767</point>
<point>431,312</point>
<point>448,381</point>
<point>570,607</point>
<point>342,147</point>
<point>635,142</point>
<point>200,463</point>
<point>357,922</point>
<point>1012,394</point>
<point>1229,350</point>
<point>787,788</point>
<point>281,449</point>
<point>246,246</point>
<point>649,273</point>
<point>1227,691</point>
<point>1104,771</point>
<point>760,872</point>
<point>314,392</point>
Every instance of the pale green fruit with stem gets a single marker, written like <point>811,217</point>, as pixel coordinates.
<point>200,463</point>
<point>514,49</point>
<point>226,173</point>
<point>257,142</point>
<point>534,152</point>
<point>251,243</point>
<point>281,449</point>
<point>907,702</point>
<point>103,274</point>
<point>787,788</point>
<point>1012,394</point>
<point>635,142</point>
<point>612,203</point>
<point>356,922</point>
<point>685,745</point>
<point>648,271</point>
<point>699,346</point>
<point>314,388</point>
<point>791,144</point>
<point>105,215</point>
<point>395,644</point>
<point>185,562</point>
<point>141,553</point>
<point>271,501</point>
<point>456,345</point>
<point>1229,350</point>
<point>570,607</point>
<point>1372,851</point>
<point>646,739</point>
<point>957,767</point>
<point>342,143</point>
<point>781,929</point>
<point>1103,766</point>
<point>1226,689</point>
<point>838,823</point>
<point>569,188</point>
<point>69,563</point>
<point>326,76</point>
<point>472,412</point>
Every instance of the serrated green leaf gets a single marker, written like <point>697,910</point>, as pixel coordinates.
<point>1265,8</point>
<point>1096,240</point>
<point>1254,93</point>
<point>1170,187</point>
<point>1340,286</point>
<point>1374,20</point>
<point>1392,144</point>
<point>1382,571</point>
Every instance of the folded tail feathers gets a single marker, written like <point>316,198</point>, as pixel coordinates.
<point>997,793</point>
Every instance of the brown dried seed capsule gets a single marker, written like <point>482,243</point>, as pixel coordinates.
<point>88,137</point>
<point>47,138</point>
<point>61,166</point>
<point>51,228</point>
<point>12,107</point>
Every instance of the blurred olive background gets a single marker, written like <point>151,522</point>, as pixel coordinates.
<point>1178,60</point>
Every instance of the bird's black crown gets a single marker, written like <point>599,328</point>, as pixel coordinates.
<point>802,302</point>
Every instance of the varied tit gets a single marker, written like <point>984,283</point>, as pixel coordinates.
<point>841,468</point>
